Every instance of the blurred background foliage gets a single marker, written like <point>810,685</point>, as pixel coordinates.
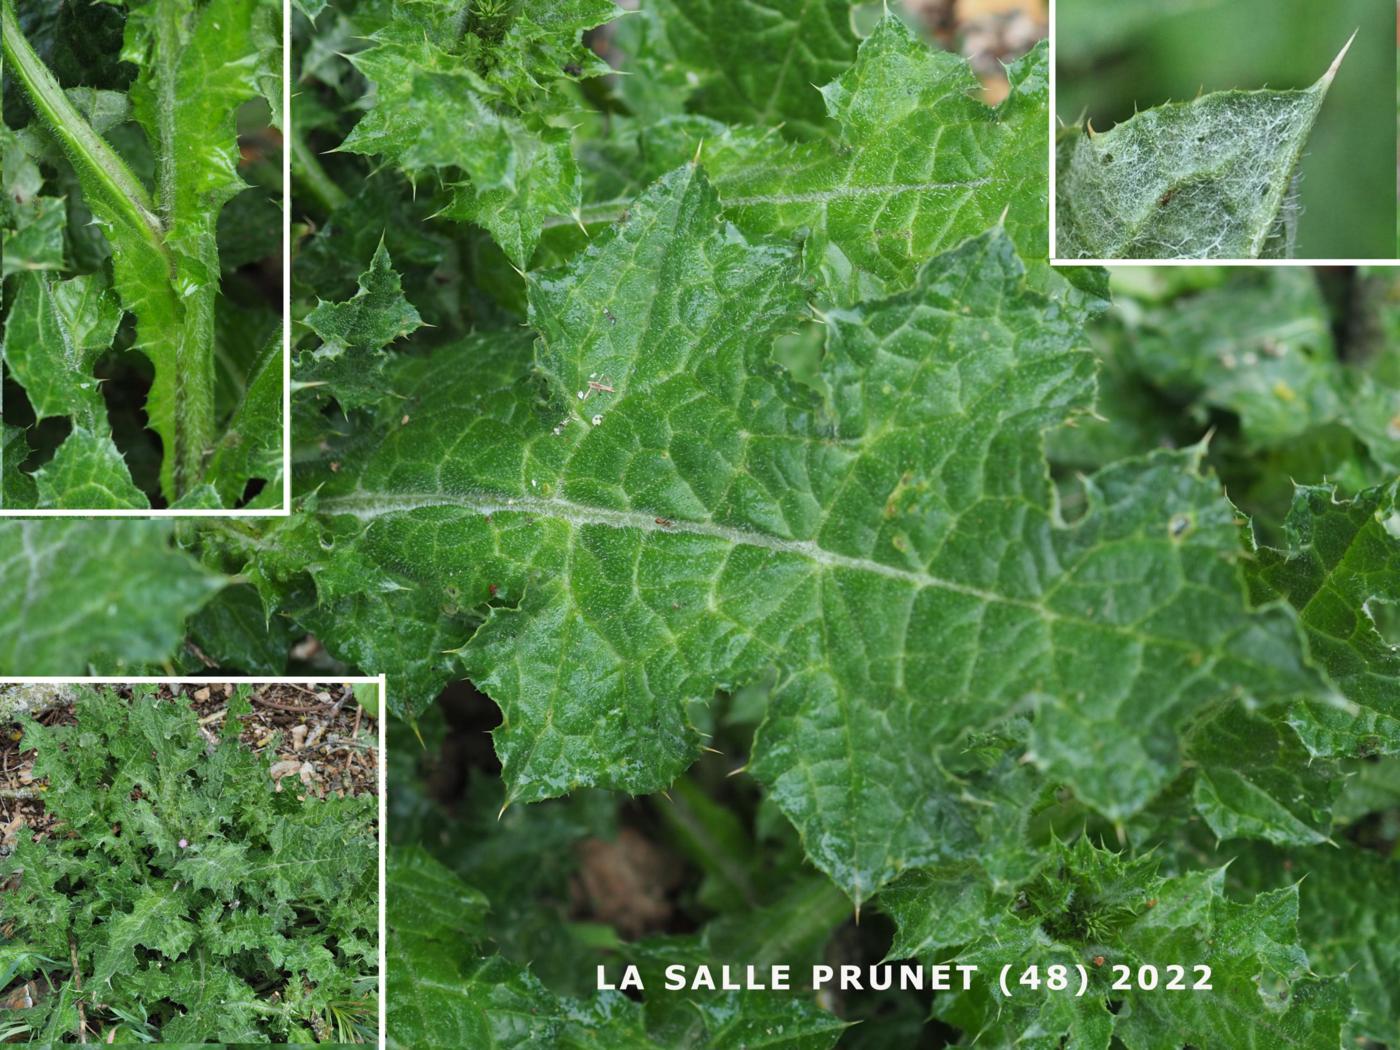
<point>1113,58</point>
<point>1287,374</point>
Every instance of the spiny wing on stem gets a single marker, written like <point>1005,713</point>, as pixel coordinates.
<point>198,64</point>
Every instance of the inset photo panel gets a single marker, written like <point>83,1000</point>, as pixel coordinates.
<point>191,861</point>
<point>144,221</point>
<point>1225,130</point>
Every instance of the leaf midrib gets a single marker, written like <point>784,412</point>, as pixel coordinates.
<point>610,211</point>
<point>366,506</point>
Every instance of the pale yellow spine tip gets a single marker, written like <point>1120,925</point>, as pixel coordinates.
<point>1337,62</point>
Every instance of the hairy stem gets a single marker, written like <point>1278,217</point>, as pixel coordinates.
<point>166,64</point>
<point>85,146</point>
<point>194,362</point>
<point>174,311</point>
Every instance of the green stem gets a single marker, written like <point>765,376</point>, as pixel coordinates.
<point>194,357</point>
<point>307,169</point>
<point>174,328</point>
<point>269,1010</point>
<point>807,914</point>
<point>166,65</point>
<point>84,145</point>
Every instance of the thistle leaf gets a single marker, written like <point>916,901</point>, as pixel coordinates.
<point>909,147</point>
<point>54,333</point>
<point>79,592</point>
<point>1206,179</point>
<point>17,489</point>
<point>251,446</point>
<point>88,473</point>
<point>758,64</point>
<point>1340,563</point>
<point>1090,908</point>
<point>350,360</point>
<point>835,537</point>
<point>474,96</point>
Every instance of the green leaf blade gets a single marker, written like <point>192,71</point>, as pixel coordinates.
<point>916,152</point>
<point>17,489</point>
<point>1342,558</point>
<point>833,536</point>
<point>156,922</point>
<point>1093,909</point>
<point>760,63</point>
<point>251,446</point>
<point>88,473</point>
<point>500,75</point>
<point>1206,179</point>
<point>74,593</point>
<point>54,332</point>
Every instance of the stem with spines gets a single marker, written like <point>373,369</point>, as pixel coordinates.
<point>180,322</point>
